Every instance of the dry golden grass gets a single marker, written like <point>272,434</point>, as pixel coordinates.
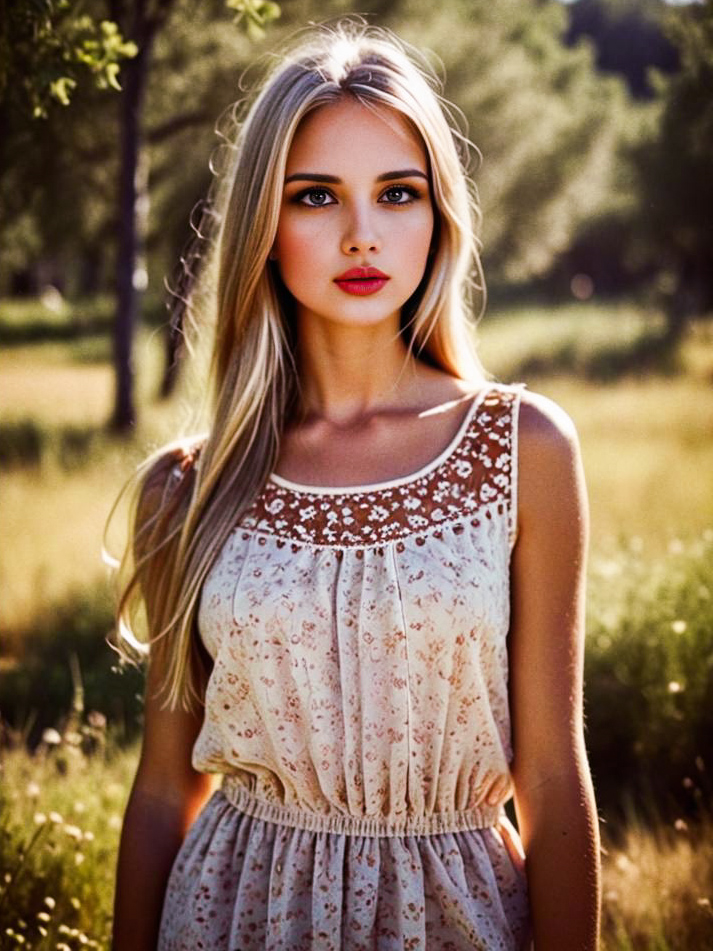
<point>646,440</point>
<point>648,455</point>
<point>658,889</point>
<point>53,532</point>
<point>42,384</point>
<point>53,519</point>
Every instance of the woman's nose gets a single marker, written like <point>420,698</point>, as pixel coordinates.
<point>360,235</point>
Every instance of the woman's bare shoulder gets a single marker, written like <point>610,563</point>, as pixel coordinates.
<point>544,424</point>
<point>549,457</point>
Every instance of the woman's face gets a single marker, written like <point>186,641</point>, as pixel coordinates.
<point>356,220</point>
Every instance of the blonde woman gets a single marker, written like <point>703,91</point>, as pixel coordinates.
<point>364,587</point>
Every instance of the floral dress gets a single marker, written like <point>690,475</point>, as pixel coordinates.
<point>358,712</point>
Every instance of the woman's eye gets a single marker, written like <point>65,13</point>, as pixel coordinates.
<point>399,195</point>
<point>315,198</point>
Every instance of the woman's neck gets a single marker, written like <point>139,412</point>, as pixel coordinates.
<point>348,373</point>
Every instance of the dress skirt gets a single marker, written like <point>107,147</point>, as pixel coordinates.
<point>242,883</point>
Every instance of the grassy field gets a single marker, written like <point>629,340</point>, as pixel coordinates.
<point>646,440</point>
<point>645,426</point>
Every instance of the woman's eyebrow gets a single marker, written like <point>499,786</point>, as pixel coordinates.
<point>313,177</point>
<point>402,173</point>
<point>334,180</point>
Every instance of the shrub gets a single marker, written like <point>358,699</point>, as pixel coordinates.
<point>25,442</point>
<point>22,442</point>
<point>649,680</point>
<point>64,652</point>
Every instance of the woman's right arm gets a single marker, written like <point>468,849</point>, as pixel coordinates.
<point>167,792</point>
<point>166,796</point>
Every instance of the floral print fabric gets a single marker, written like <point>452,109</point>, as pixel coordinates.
<point>358,710</point>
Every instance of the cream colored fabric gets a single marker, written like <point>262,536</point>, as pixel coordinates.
<point>358,709</point>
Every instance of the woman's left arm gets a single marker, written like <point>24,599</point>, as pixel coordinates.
<point>554,800</point>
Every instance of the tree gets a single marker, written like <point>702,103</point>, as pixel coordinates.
<point>628,38</point>
<point>142,20</point>
<point>47,47</point>
<point>674,167</point>
<point>52,53</point>
<point>545,122</point>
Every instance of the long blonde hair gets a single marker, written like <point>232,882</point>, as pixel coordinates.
<point>190,500</point>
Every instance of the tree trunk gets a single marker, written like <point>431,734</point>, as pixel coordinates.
<point>127,304</point>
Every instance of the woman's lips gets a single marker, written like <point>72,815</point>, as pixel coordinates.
<point>361,281</point>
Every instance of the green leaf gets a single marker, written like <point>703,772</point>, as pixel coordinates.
<point>112,74</point>
<point>254,30</point>
<point>61,89</point>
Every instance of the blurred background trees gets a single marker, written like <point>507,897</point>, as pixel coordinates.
<point>593,120</point>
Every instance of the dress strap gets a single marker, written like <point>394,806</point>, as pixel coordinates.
<point>517,390</point>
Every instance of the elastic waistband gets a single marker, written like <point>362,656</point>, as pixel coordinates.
<point>479,817</point>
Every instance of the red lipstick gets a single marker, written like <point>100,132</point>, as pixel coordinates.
<point>361,280</point>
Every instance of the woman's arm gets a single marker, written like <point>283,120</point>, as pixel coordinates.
<point>166,796</point>
<point>167,792</point>
<point>554,800</point>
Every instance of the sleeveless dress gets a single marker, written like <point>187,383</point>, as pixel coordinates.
<point>358,712</point>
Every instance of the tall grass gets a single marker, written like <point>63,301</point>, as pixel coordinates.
<point>658,888</point>
<point>647,447</point>
<point>649,682</point>
<point>60,817</point>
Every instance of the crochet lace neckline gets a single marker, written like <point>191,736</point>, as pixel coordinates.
<point>289,484</point>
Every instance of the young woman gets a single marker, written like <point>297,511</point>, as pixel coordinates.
<point>364,587</point>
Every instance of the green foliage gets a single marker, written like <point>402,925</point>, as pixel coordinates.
<point>649,679</point>
<point>628,38</point>
<point>586,340</point>
<point>66,651</point>
<point>51,317</point>
<point>546,123</point>
<point>257,14</point>
<point>673,165</point>
<point>47,46</point>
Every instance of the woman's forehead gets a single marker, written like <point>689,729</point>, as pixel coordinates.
<point>349,133</point>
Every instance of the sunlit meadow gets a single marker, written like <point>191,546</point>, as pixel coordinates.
<point>648,452</point>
